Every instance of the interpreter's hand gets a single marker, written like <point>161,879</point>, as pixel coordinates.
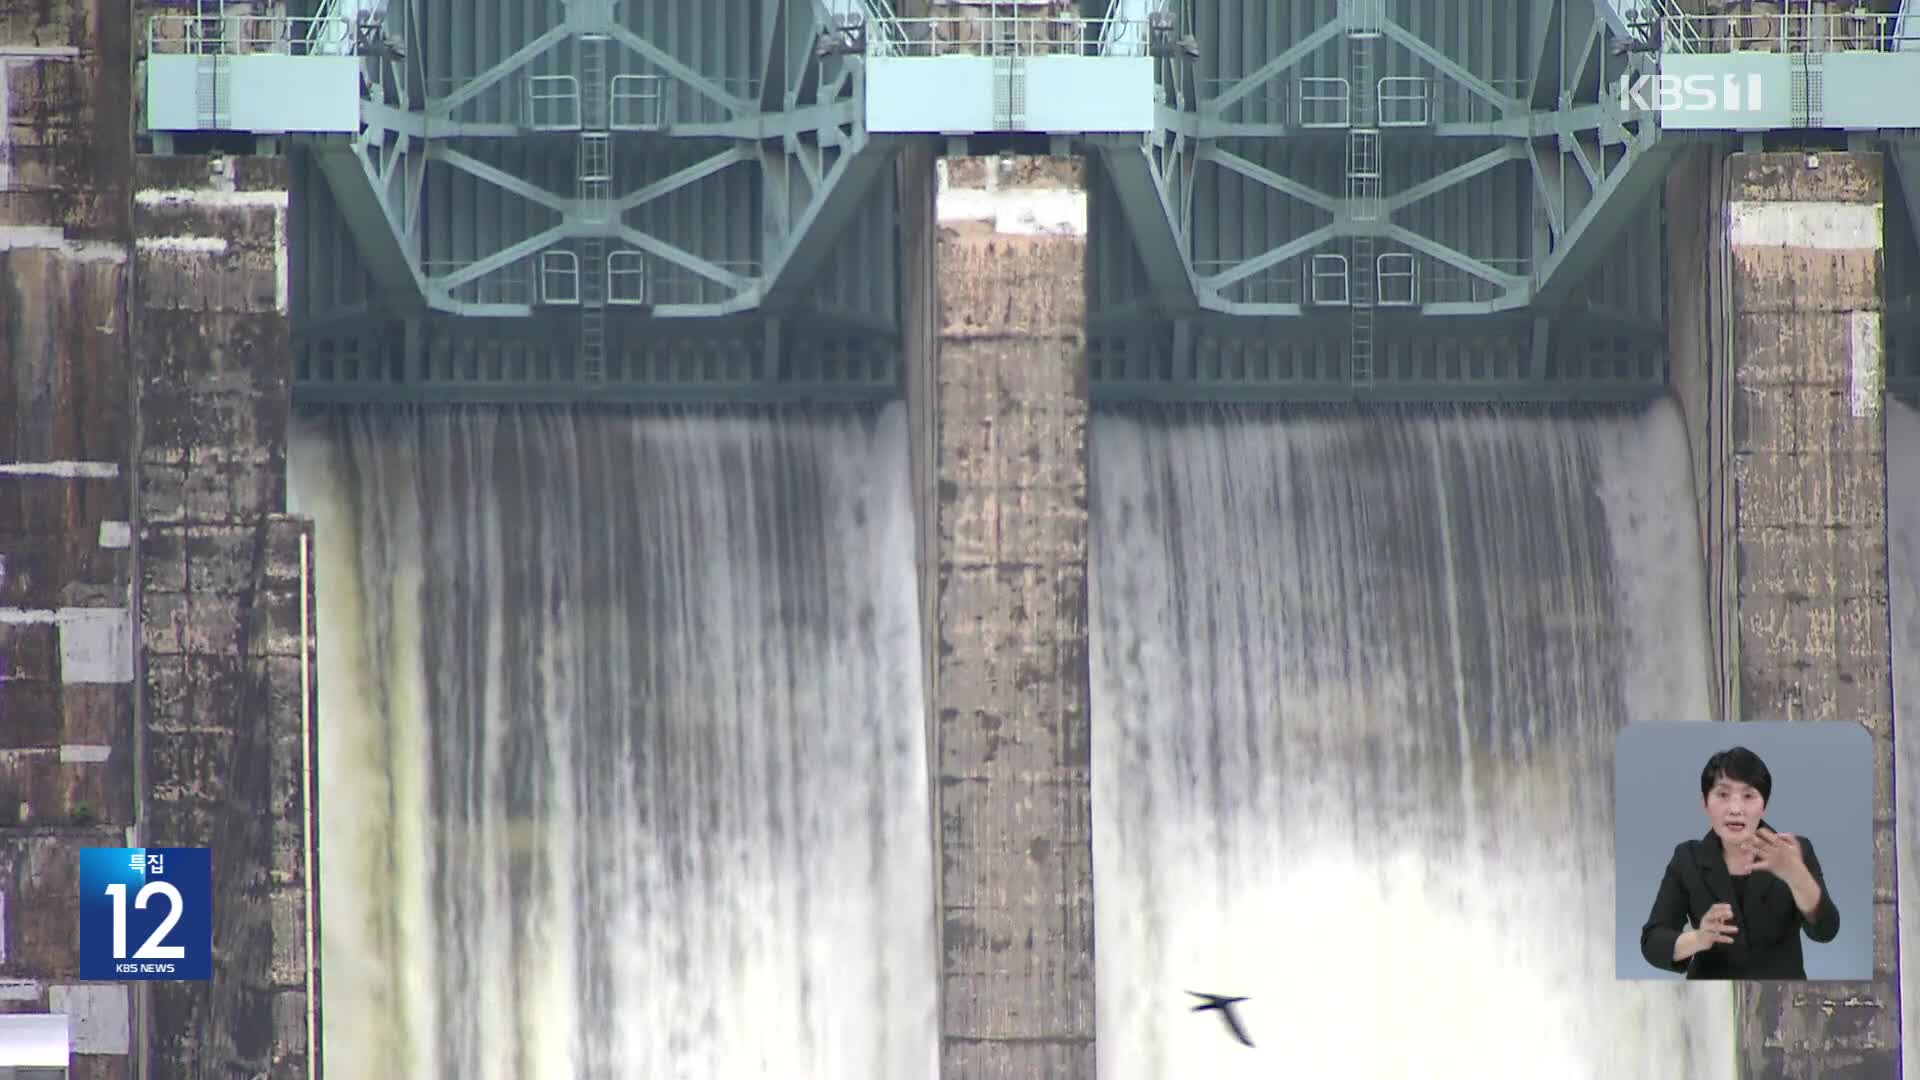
<point>1716,927</point>
<point>1778,854</point>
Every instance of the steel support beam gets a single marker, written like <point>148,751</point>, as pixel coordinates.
<point>1622,193</point>
<point>835,198</point>
<point>500,178</point>
<point>1459,174</point>
<point>1513,286</point>
<point>1904,150</point>
<point>1448,67</point>
<point>1547,26</point>
<point>444,107</point>
<point>1295,247</point>
<point>1319,200</point>
<point>1597,160</point>
<point>685,75</point>
<point>378,227</point>
<point>1272,69</point>
<point>1155,213</point>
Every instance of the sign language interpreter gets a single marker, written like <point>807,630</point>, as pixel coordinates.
<point>1749,890</point>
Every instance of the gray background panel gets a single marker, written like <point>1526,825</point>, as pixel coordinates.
<point>1822,790</point>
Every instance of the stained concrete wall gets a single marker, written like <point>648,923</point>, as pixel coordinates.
<point>150,646</point>
<point>67,691</point>
<point>1012,784</point>
<point>228,736</point>
<point>1778,362</point>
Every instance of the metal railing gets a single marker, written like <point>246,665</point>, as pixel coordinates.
<point>509,284</point>
<point>1401,279</point>
<point>552,103</point>
<point>1326,101</point>
<point>639,102</point>
<point>969,33</point>
<point>632,101</point>
<point>1805,28</point>
<point>1281,284</point>
<point>1653,15</point>
<point>1444,283</point>
<point>552,277</point>
<point>667,282</point>
<point>249,35</point>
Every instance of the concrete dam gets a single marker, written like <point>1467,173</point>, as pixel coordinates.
<point>643,556</point>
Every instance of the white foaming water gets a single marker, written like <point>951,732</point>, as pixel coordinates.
<point>1903,572</point>
<point>1356,684</point>
<point>622,767</point>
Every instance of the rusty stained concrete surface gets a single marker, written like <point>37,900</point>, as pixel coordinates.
<point>203,288</point>
<point>1004,286</point>
<point>220,581</point>
<point>67,748</point>
<point>66,136</point>
<point>1012,719</point>
<point>1808,482</point>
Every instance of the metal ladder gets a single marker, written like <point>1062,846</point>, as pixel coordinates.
<point>1363,185</point>
<point>595,185</point>
<point>210,63</point>
<point>1007,41</point>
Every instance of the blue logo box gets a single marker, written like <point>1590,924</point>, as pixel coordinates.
<point>146,914</point>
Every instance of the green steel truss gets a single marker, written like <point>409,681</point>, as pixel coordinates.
<point>1343,199</point>
<point>1386,199</point>
<point>598,199</point>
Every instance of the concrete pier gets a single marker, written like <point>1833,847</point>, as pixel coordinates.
<point>151,664</point>
<point>1778,361</point>
<point>229,736</point>
<point>1010,702</point>
<point>68,757</point>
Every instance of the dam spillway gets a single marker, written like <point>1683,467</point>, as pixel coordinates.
<point>625,774</point>
<point>1356,685</point>
<point>1356,681</point>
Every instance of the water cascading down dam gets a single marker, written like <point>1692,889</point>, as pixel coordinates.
<point>625,739</point>
<point>1356,682</point>
<point>625,756</point>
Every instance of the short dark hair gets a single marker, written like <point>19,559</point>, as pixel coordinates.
<point>1738,764</point>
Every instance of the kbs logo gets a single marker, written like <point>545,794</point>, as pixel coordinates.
<point>1669,92</point>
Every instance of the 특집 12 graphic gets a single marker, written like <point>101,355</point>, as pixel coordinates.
<point>146,913</point>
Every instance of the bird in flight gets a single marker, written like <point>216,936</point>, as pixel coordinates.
<point>1225,1005</point>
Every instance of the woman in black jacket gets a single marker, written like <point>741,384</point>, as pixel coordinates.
<point>1748,890</point>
